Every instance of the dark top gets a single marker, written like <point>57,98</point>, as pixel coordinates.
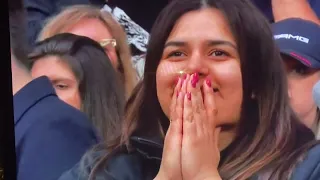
<point>144,162</point>
<point>50,135</point>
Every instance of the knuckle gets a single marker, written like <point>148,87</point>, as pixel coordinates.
<point>214,111</point>
<point>189,117</point>
<point>199,108</point>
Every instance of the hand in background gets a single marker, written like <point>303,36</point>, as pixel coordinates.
<point>284,9</point>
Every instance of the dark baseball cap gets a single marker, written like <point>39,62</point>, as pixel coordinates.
<point>299,39</point>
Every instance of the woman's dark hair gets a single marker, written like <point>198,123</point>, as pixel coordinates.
<point>100,90</point>
<point>270,140</point>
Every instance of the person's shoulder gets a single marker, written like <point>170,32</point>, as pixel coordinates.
<point>52,139</point>
<point>309,168</point>
<point>39,110</point>
<point>52,115</point>
<point>124,165</point>
<point>82,170</point>
<point>130,163</point>
<point>120,166</point>
<point>58,110</point>
<point>38,100</point>
<point>68,117</point>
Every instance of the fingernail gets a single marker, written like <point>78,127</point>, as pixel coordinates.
<point>178,94</point>
<point>196,76</point>
<point>184,76</point>
<point>194,80</point>
<point>194,84</point>
<point>208,82</point>
<point>189,95</point>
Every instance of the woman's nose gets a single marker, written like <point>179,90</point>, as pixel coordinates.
<point>197,65</point>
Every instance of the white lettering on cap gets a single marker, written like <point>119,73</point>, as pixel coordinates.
<point>290,36</point>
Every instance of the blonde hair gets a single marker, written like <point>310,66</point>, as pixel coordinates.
<point>74,14</point>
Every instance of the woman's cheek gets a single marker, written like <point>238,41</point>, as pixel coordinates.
<point>228,77</point>
<point>166,77</point>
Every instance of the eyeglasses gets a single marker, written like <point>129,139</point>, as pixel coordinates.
<point>108,42</point>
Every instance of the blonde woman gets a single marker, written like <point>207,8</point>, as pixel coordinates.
<point>89,21</point>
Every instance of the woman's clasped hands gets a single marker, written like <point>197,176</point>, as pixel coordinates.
<point>191,144</point>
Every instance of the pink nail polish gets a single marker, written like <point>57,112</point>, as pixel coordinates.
<point>194,84</point>
<point>184,76</point>
<point>189,96</point>
<point>196,76</point>
<point>208,82</point>
<point>194,81</point>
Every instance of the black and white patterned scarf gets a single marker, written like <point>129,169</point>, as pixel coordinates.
<point>137,37</point>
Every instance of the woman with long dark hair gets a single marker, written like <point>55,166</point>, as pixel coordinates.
<point>213,104</point>
<point>84,77</point>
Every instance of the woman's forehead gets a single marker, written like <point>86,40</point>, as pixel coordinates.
<point>203,24</point>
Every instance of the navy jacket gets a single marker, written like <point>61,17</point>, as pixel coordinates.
<point>144,162</point>
<point>50,135</point>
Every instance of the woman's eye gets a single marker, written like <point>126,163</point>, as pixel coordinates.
<point>176,54</point>
<point>301,70</point>
<point>218,53</point>
<point>61,86</point>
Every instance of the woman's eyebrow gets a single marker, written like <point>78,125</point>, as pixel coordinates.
<point>221,42</point>
<point>209,42</point>
<point>175,43</point>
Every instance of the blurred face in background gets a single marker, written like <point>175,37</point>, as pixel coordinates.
<point>96,30</point>
<point>61,76</point>
<point>301,80</point>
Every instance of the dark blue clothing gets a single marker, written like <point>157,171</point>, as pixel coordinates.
<point>315,4</point>
<point>143,163</point>
<point>50,135</point>
<point>309,169</point>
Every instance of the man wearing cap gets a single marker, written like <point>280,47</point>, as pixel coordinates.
<point>299,44</point>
